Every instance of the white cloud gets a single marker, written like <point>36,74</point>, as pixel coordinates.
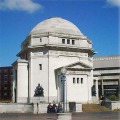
<point>114,2</point>
<point>21,5</point>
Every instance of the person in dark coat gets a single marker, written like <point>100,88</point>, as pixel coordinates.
<point>54,107</point>
<point>60,109</point>
<point>102,100</point>
<point>49,108</point>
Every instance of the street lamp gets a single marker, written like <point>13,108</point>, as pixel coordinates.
<point>63,79</point>
<point>63,70</point>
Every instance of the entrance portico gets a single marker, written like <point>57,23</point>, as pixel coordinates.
<point>78,78</point>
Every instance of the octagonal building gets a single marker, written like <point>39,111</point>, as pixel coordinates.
<point>51,45</point>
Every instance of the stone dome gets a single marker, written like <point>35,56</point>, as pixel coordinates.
<point>56,25</point>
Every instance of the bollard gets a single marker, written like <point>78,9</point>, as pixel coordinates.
<point>64,116</point>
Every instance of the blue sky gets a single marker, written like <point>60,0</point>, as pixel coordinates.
<point>96,19</point>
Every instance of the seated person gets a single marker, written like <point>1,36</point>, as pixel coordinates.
<point>49,108</point>
<point>54,107</point>
<point>60,109</point>
<point>102,100</point>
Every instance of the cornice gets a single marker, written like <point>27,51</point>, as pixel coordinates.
<point>19,61</point>
<point>61,35</point>
<point>107,58</point>
<point>59,47</point>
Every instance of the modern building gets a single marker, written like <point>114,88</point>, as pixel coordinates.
<point>107,74</point>
<point>6,77</point>
<point>53,44</point>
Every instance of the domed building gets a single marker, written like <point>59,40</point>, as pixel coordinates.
<point>53,44</point>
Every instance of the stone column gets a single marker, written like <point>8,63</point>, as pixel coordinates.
<point>22,81</point>
<point>119,88</point>
<point>14,79</point>
<point>90,84</point>
<point>102,87</point>
<point>96,89</point>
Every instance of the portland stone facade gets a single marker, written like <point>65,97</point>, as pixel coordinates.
<point>52,44</point>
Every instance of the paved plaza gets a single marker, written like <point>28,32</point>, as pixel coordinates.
<point>75,116</point>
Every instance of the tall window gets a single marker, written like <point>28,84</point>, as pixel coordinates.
<point>73,42</point>
<point>68,41</point>
<point>63,41</point>
<point>78,80</point>
<point>40,39</point>
<point>81,80</point>
<point>40,66</point>
<point>73,80</point>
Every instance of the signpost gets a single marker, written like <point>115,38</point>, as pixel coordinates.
<point>63,79</point>
<point>64,116</point>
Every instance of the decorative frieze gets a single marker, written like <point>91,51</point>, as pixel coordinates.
<point>78,72</point>
<point>66,53</point>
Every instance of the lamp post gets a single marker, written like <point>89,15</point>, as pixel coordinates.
<point>63,79</point>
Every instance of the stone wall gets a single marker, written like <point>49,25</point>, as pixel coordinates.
<point>16,108</point>
<point>112,105</point>
<point>35,108</point>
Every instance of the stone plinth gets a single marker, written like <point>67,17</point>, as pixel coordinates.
<point>38,99</point>
<point>35,108</point>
